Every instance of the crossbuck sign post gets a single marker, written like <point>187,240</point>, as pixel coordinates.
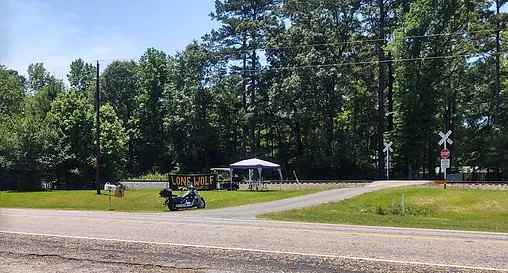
<point>445,139</point>
<point>388,149</point>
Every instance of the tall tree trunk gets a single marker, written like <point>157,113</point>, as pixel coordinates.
<point>244,70</point>
<point>330,115</point>
<point>381,88</point>
<point>254,134</point>
<point>298,136</point>
<point>244,90</point>
<point>498,65</point>
<point>130,146</point>
<point>431,156</point>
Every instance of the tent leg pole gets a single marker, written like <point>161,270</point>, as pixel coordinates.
<point>231,179</point>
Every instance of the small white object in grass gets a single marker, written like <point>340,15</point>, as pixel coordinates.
<point>109,187</point>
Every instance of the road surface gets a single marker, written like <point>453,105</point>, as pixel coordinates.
<point>79,241</point>
<point>212,244</point>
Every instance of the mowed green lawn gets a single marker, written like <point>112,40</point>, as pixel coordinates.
<point>135,200</point>
<point>423,207</point>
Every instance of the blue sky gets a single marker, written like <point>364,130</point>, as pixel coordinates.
<point>57,31</point>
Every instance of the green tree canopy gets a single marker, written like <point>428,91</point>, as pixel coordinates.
<point>11,93</point>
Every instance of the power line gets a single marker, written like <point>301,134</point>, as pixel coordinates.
<point>363,41</point>
<point>236,51</point>
<point>399,60</point>
<point>233,51</point>
<point>473,55</point>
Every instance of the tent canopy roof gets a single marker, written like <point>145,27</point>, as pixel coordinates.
<point>219,169</point>
<point>254,163</point>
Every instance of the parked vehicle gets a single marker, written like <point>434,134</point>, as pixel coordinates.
<point>224,181</point>
<point>191,199</point>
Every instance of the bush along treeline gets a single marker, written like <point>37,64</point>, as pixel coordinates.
<point>317,86</point>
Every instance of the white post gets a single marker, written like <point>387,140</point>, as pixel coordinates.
<point>387,150</point>
<point>280,180</point>
<point>388,165</point>
<point>251,184</point>
<point>109,206</point>
<point>445,167</point>
<point>231,179</point>
<point>217,185</point>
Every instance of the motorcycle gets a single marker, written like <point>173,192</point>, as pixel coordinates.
<point>191,199</point>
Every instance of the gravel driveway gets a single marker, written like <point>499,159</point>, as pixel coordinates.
<point>334,195</point>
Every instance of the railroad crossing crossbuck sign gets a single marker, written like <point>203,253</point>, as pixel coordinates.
<point>445,138</point>
<point>388,149</point>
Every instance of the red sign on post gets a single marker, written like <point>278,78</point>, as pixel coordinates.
<point>445,153</point>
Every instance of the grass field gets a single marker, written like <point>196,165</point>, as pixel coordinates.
<point>424,207</point>
<point>136,200</point>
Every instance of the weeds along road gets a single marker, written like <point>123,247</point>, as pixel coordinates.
<point>79,241</point>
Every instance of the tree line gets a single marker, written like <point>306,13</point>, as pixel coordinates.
<point>317,86</point>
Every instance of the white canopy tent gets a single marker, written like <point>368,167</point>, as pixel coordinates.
<point>254,164</point>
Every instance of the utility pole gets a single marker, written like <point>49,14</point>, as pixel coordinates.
<point>391,79</point>
<point>498,66</point>
<point>381,88</point>
<point>97,134</point>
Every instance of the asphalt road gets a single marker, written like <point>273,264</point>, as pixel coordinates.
<point>79,241</point>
